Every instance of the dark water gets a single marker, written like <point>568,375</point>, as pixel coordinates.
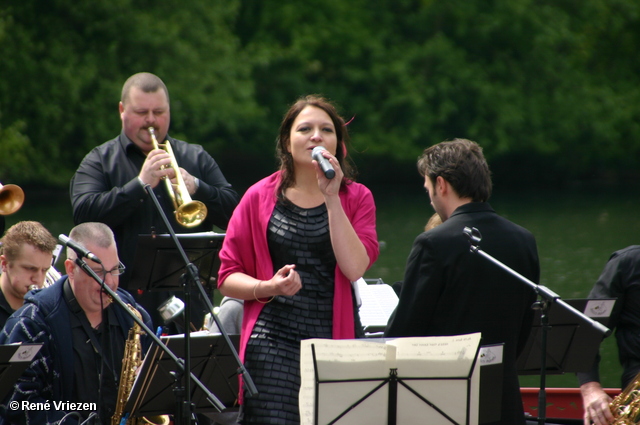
<point>576,230</point>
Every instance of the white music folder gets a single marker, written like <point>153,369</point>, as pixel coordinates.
<point>376,302</point>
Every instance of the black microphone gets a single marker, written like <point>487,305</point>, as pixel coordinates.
<point>79,249</point>
<point>324,163</point>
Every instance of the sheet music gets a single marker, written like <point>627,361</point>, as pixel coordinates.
<point>378,301</point>
<point>360,365</point>
<point>362,358</point>
<point>435,356</point>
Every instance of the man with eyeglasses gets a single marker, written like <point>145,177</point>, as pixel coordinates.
<point>83,335</point>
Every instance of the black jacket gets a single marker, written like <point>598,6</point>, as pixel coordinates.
<point>45,318</point>
<point>448,290</point>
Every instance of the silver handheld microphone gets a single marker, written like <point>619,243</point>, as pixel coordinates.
<point>324,163</point>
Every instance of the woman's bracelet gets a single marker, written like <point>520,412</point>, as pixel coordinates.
<point>256,298</point>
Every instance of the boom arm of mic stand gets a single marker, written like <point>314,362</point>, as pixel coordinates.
<point>212,398</point>
<point>548,295</point>
<point>193,272</point>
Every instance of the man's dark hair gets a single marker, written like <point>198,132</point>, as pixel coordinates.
<point>461,163</point>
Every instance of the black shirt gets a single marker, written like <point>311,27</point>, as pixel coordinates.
<point>106,189</point>
<point>5,310</point>
<point>620,279</point>
<point>98,354</point>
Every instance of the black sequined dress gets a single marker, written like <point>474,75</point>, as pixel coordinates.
<point>297,236</point>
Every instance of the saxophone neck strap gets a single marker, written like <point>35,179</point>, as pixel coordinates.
<point>70,298</point>
<point>78,312</point>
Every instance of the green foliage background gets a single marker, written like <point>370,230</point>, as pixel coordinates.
<point>550,89</point>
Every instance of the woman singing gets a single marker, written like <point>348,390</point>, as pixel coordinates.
<point>294,243</point>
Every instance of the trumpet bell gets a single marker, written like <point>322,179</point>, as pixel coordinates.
<point>155,420</point>
<point>191,214</point>
<point>11,199</point>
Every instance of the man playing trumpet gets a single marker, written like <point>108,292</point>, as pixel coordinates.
<point>109,185</point>
<point>26,252</point>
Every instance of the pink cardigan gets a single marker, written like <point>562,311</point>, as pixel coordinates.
<point>245,248</point>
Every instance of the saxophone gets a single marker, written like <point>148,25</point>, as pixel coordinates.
<point>626,406</point>
<point>130,363</point>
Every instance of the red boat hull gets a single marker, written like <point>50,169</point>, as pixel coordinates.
<point>565,403</point>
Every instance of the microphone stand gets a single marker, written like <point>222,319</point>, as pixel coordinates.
<point>192,270</point>
<point>548,298</point>
<point>179,362</point>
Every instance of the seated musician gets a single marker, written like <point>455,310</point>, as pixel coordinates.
<point>83,339</point>
<point>26,253</point>
<point>619,279</point>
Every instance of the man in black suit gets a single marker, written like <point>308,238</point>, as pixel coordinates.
<point>447,289</point>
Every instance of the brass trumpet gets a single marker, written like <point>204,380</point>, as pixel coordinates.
<point>11,198</point>
<point>189,213</point>
<point>50,278</point>
<point>52,274</point>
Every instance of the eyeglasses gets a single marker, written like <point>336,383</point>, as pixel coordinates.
<point>116,271</point>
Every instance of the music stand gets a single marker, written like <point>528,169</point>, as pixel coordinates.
<point>491,374</point>
<point>357,389</point>
<point>212,361</point>
<point>571,346</point>
<point>14,359</point>
<point>192,276</point>
<point>547,299</point>
<point>158,265</point>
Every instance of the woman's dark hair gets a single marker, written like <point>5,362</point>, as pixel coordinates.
<point>284,139</point>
